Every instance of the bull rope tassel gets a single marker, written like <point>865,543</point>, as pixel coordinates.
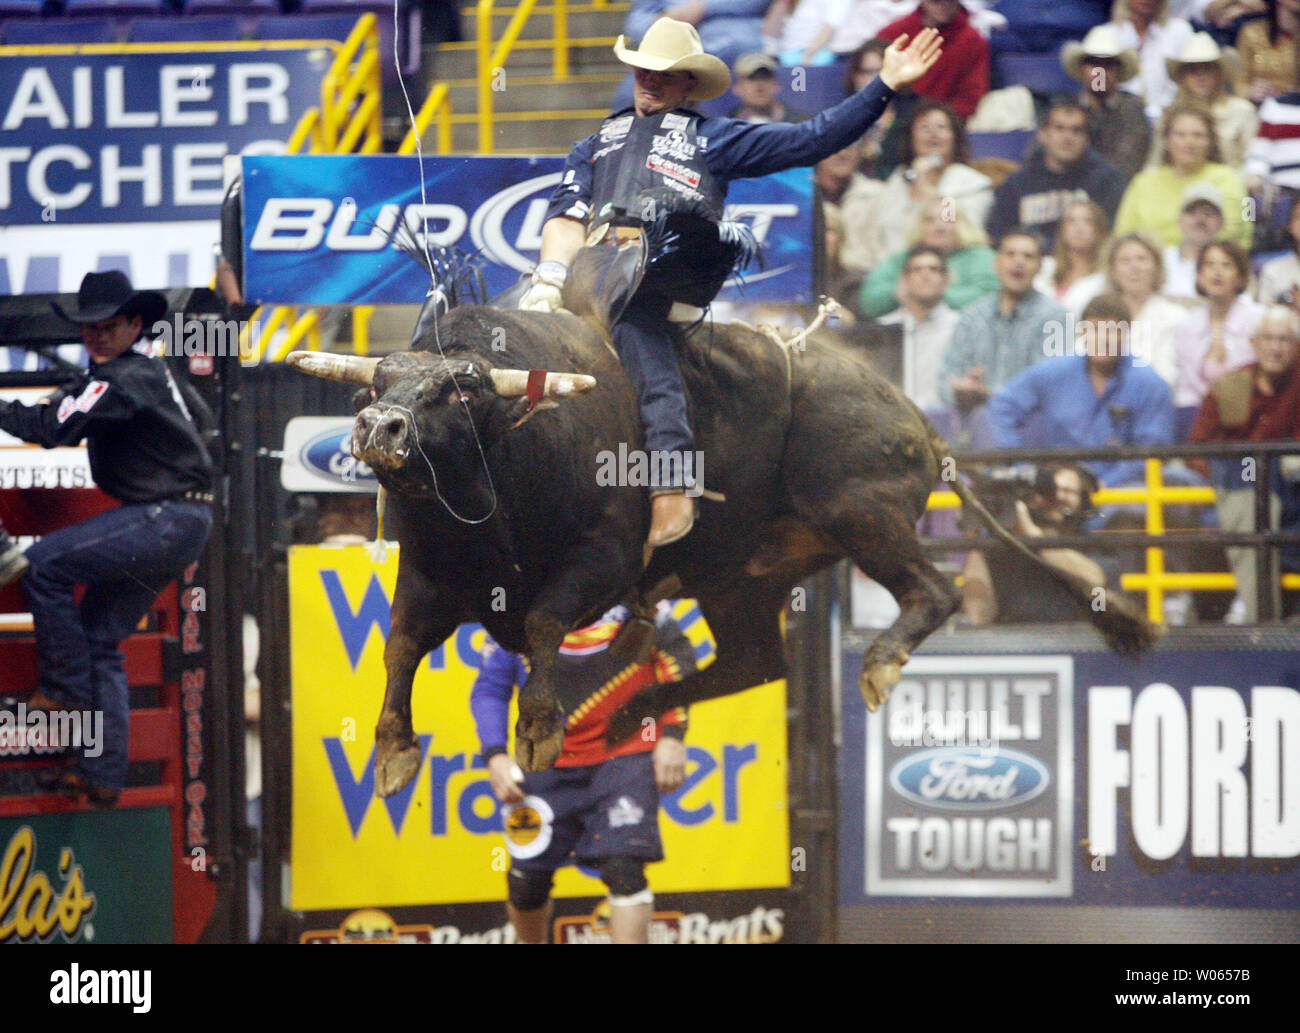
<point>378,549</point>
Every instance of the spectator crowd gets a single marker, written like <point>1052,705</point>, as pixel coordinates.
<point>1156,193</point>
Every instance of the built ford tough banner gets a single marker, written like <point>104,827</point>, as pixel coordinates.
<point>319,229</point>
<point>1077,778</point>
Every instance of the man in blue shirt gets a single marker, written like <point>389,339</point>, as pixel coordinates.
<point>1095,397</point>
<point>1000,335</point>
<point>660,157</point>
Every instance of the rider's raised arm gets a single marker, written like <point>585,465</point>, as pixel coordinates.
<point>740,150</point>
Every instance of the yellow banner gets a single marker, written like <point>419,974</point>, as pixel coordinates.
<point>440,841</point>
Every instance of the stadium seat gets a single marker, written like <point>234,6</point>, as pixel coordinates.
<point>1040,73</point>
<point>408,19</point>
<point>199,29</point>
<point>119,9</point>
<point>299,26</point>
<point>45,31</point>
<point>21,8</point>
<point>240,8</point>
<point>1010,145</point>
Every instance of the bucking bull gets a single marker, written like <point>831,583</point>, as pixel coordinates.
<point>493,478</point>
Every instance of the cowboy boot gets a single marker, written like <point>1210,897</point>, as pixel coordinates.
<point>672,515</point>
<point>12,560</point>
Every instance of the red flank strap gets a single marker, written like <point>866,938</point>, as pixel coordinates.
<point>536,387</point>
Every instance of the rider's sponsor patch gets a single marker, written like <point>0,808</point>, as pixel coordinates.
<point>671,169</point>
<point>84,402</point>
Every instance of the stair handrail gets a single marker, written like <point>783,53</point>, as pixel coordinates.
<point>491,61</point>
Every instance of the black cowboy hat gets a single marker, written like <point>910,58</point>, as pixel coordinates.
<point>105,295</point>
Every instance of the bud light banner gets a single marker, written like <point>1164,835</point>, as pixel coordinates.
<point>1171,781</point>
<point>320,229</point>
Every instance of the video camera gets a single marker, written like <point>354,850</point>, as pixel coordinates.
<point>1002,487</point>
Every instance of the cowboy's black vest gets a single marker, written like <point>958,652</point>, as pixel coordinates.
<point>649,152</point>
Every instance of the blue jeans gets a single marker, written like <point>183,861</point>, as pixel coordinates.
<point>124,557</point>
<point>646,346</point>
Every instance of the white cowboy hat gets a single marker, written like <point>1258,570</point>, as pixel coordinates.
<point>673,46</point>
<point>1101,42</point>
<point>1200,49</point>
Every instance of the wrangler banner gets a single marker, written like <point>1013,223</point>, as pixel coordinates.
<point>440,841</point>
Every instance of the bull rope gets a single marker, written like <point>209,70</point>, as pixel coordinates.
<point>798,341</point>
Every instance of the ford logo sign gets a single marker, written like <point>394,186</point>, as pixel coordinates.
<point>329,454</point>
<point>963,778</point>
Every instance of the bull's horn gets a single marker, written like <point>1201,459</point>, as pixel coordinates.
<point>351,369</point>
<point>511,383</point>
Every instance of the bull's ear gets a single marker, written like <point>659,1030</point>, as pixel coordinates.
<point>527,413</point>
<point>363,397</point>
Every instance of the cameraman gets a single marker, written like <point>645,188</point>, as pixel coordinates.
<point>1003,587</point>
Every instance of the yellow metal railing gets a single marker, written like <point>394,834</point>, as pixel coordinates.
<point>348,121</point>
<point>491,62</point>
<point>1154,495</point>
<point>436,105</point>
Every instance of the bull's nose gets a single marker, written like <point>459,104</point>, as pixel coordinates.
<point>380,437</point>
<point>390,433</point>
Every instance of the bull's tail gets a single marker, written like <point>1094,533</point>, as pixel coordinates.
<point>1119,621</point>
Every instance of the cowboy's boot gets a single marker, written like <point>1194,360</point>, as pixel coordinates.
<point>672,515</point>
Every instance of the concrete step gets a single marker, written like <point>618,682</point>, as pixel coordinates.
<point>534,136</point>
<point>460,60</point>
<point>537,93</point>
<point>391,327</point>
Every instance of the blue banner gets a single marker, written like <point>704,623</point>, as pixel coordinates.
<point>139,135</point>
<point>1076,778</point>
<point>318,230</point>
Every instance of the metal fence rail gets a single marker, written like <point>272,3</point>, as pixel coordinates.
<point>1153,496</point>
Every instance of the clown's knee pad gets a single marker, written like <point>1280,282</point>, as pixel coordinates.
<point>529,890</point>
<point>625,877</point>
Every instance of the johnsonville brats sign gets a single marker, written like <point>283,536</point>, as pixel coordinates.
<point>86,878</point>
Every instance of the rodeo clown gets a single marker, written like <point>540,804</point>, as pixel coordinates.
<point>662,169</point>
<point>146,452</point>
<point>599,805</point>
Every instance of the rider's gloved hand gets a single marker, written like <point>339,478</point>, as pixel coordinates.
<point>544,295</point>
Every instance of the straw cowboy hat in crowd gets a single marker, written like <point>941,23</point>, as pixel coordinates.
<point>1200,49</point>
<point>1101,43</point>
<point>673,46</point>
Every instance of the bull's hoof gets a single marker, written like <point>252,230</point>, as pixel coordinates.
<point>878,679</point>
<point>397,754</point>
<point>394,770</point>
<point>538,741</point>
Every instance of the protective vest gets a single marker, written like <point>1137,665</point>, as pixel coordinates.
<point>650,152</point>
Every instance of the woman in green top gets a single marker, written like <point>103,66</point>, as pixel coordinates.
<point>1189,153</point>
<point>945,227</point>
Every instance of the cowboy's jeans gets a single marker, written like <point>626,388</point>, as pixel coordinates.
<point>648,350</point>
<point>124,557</point>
